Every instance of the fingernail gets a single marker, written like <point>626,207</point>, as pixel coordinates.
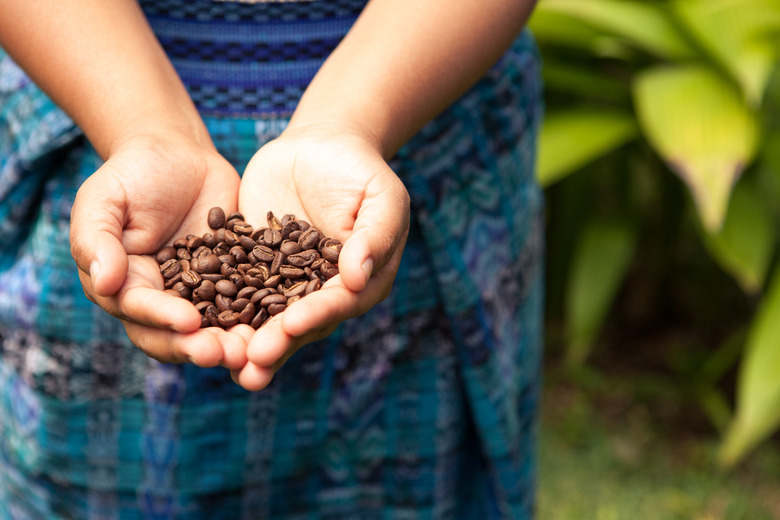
<point>94,270</point>
<point>368,267</point>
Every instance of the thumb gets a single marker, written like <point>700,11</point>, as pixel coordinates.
<point>380,228</point>
<point>96,224</point>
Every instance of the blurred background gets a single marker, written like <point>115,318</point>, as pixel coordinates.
<point>660,158</point>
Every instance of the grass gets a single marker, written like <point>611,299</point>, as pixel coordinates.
<point>606,454</point>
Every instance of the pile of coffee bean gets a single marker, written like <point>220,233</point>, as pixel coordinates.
<point>239,274</point>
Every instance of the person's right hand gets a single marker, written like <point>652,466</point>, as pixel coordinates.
<point>149,192</point>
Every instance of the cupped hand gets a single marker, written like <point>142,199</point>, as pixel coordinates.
<point>149,192</point>
<point>338,182</point>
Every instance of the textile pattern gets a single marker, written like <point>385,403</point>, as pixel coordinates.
<point>425,407</point>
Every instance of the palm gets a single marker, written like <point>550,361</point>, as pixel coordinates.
<point>342,187</point>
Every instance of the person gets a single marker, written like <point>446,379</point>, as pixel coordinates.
<point>406,388</point>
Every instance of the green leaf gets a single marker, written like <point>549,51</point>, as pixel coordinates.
<point>736,33</point>
<point>599,265</point>
<point>584,82</point>
<point>572,138</point>
<point>645,25</point>
<point>698,122</point>
<point>557,28</point>
<point>744,246</point>
<point>758,387</point>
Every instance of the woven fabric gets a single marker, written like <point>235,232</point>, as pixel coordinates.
<point>423,408</point>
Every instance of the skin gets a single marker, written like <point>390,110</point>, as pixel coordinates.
<point>401,64</point>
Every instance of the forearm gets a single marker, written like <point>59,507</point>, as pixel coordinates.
<point>405,61</point>
<point>101,63</point>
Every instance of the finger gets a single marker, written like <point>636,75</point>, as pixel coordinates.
<point>253,377</point>
<point>201,348</point>
<point>234,345</point>
<point>270,342</point>
<point>95,236</point>
<point>380,229</point>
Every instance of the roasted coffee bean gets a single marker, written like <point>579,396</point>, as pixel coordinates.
<point>170,268</point>
<point>191,278</point>
<point>242,228</point>
<point>296,289</point>
<point>172,292</point>
<point>239,304</point>
<point>309,239</point>
<point>194,243</point>
<point>212,315</point>
<point>216,218</point>
<point>247,243</point>
<point>239,255</point>
<point>331,251</point>
<point>273,298</point>
<point>272,238</point>
<point>206,291</point>
<point>259,295</point>
<point>202,306</point>
<point>273,281</point>
<point>290,247</point>
<point>263,254</point>
<point>313,285</point>
<point>239,273</point>
<point>303,258</point>
<point>165,254</point>
<point>184,291</point>
<point>222,302</point>
<point>183,254</point>
<point>227,288</point>
<point>329,270</point>
<point>247,314</point>
<point>279,259</point>
<point>259,319</point>
<point>206,264</point>
<point>291,272</point>
<point>276,308</point>
<point>228,318</point>
<point>273,222</point>
<point>246,292</point>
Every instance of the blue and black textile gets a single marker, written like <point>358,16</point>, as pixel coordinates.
<point>423,408</point>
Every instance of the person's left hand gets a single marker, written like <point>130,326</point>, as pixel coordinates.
<point>338,182</point>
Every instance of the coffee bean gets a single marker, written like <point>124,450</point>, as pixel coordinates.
<point>170,268</point>
<point>309,239</point>
<point>191,279</point>
<point>165,254</point>
<point>227,318</point>
<point>259,319</point>
<point>241,274</point>
<point>276,308</point>
<point>206,264</point>
<point>216,218</point>
<point>273,222</point>
<point>223,302</point>
<point>247,314</point>
<point>226,288</point>
<point>172,292</point>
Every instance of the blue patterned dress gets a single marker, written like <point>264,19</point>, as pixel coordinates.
<point>423,408</point>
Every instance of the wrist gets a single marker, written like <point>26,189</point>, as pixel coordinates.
<point>330,128</point>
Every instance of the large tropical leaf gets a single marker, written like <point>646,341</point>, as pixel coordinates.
<point>643,24</point>
<point>745,244</point>
<point>699,123</point>
<point>736,33</point>
<point>570,139</point>
<point>552,27</point>
<point>599,265</point>
<point>758,387</point>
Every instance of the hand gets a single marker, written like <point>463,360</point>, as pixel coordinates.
<point>338,182</point>
<point>148,193</point>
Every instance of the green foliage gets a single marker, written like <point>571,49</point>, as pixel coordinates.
<point>691,80</point>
